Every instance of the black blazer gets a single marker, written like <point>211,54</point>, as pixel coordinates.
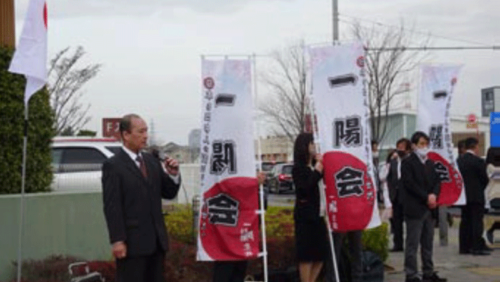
<point>473,170</point>
<point>132,204</point>
<point>393,183</point>
<point>418,180</point>
<point>307,202</point>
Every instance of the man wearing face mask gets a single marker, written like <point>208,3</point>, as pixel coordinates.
<point>393,182</point>
<point>420,189</point>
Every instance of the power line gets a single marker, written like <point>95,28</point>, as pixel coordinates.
<point>366,26</point>
<point>415,31</point>
<point>443,48</point>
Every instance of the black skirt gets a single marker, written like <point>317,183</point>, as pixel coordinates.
<point>311,241</point>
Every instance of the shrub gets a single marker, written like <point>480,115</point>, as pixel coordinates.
<point>180,261</point>
<point>180,224</point>
<point>53,268</point>
<point>377,241</point>
<point>181,264</point>
<point>40,133</point>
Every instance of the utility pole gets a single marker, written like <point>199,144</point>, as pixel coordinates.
<point>335,10</point>
<point>152,135</point>
<point>7,24</point>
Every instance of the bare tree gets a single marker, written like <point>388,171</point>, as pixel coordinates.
<point>388,64</point>
<point>287,106</point>
<point>66,80</point>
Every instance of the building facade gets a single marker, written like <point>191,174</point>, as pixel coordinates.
<point>404,123</point>
<point>275,149</point>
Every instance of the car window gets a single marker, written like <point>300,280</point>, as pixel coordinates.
<point>267,167</point>
<point>56,156</point>
<point>114,149</point>
<point>81,160</point>
<point>287,169</point>
<point>56,159</point>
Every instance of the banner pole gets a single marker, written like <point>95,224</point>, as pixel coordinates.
<point>318,149</point>
<point>23,185</point>
<point>261,186</point>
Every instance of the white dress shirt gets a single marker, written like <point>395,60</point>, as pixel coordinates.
<point>134,156</point>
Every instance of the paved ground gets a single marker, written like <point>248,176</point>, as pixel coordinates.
<point>449,264</point>
<point>455,267</point>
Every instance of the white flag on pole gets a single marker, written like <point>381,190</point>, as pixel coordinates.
<point>30,58</point>
<point>229,223</point>
<point>341,105</point>
<point>436,92</point>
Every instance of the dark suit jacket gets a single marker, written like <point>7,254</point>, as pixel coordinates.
<point>418,180</point>
<point>307,201</point>
<point>132,204</point>
<point>473,170</point>
<point>393,183</point>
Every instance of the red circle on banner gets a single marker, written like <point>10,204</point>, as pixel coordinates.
<point>360,61</point>
<point>347,210</point>
<point>451,180</point>
<point>45,15</point>
<point>222,241</point>
<point>209,83</point>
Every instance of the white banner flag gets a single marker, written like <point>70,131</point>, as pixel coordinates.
<point>341,105</point>
<point>30,58</point>
<point>229,224</point>
<point>436,92</point>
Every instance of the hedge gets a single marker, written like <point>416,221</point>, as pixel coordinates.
<point>40,133</point>
<point>180,262</point>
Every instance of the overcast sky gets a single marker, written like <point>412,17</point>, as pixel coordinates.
<point>150,49</point>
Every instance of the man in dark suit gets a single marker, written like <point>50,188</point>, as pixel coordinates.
<point>393,182</point>
<point>134,184</point>
<point>473,170</point>
<point>420,188</point>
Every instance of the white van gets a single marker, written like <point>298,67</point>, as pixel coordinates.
<point>77,162</point>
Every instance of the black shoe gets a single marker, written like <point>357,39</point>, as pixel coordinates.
<point>416,279</point>
<point>465,252</point>
<point>480,253</point>
<point>487,249</point>
<point>433,278</point>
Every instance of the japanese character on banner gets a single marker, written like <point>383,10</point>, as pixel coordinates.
<point>436,136</point>
<point>442,172</point>
<point>246,235</point>
<point>350,182</point>
<point>223,157</point>
<point>348,132</point>
<point>223,210</point>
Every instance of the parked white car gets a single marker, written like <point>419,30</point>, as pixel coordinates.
<point>77,162</point>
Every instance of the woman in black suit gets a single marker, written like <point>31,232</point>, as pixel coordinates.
<point>310,228</point>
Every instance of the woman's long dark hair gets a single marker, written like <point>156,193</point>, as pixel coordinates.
<point>301,148</point>
<point>389,157</point>
<point>493,156</point>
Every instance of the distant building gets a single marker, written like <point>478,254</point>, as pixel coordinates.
<point>403,123</point>
<point>194,143</point>
<point>490,100</point>
<point>275,149</point>
<point>178,152</point>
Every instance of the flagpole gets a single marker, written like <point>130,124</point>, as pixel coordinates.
<point>261,186</point>
<point>318,149</point>
<point>23,184</point>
